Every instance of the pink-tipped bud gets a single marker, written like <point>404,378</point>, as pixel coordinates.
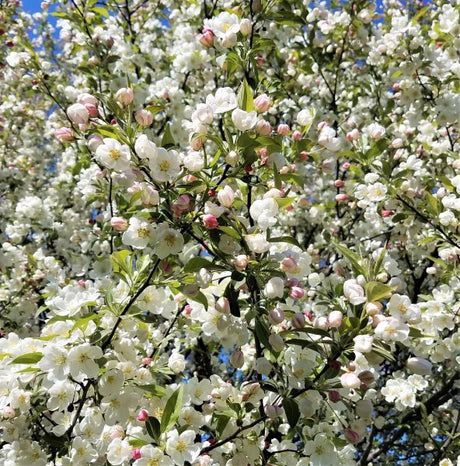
<point>124,96</point>
<point>276,316</point>
<point>223,305</point>
<point>210,221</point>
<point>283,129</point>
<point>334,319</point>
<point>419,366</point>
<point>92,110</point>
<point>341,197</point>
<point>262,103</point>
<point>297,135</point>
<point>264,128</point>
<point>298,321</point>
<point>241,262</point>
<point>144,117</point>
<point>118,223</point>
<point>296,292</point>
<point>237,359</point>
<point>339,183</point>
<point>351,436</point>
<point>273,411</point>
<point>136,454</point>
<point>346,165</point>
<point>353,135</point>
<point>146,361</point>
<point>334,396</point>
<point>206,38</point>
<point>289,265</point>
<point>64,135</point>
<point>373,308</point>
<point>387,213</point>
<point>350,380</point>
<point>78,114</point>
<point>143,415</point>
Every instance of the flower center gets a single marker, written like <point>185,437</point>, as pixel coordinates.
<point>114,154</point>
<point>143,232</point>
<point>164,165</point>
<point>181,446</point>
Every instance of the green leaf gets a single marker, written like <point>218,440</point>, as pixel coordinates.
<point>262,332</point>
<point>197,263</point>
<point>376,291</point>
<point>153,427</point>
<point>291,409</point>
<point>28,358</point>
<point>167,140</point>
<point>285,239</point>
<point>230,232</point>
<point>101,11</point>
<point>138,442</point>
<point>172,410</point>
<point>221,421</point>
<point>232,295</point>
<point>352,257</point>
<point>153,389</point>
<point>245,99</point>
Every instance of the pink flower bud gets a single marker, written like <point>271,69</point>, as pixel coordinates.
<point>146,361</point>
<point>92,110</point>
<point>283,129</point>
<point>273,411</point>
<point>206,38</point>
<point>304,156</point>
<point>262,103</point>
<point>124,96</point>
<point>341,197</point>
<point>419,366</point>
<point>264,128</point>
<point>350,380</point>
<point>118,223</point>
<point>182,204</point>
<point>387,213</point>
<point>321,322</point>
<point>322,124</point>
<point>136,454</point>
<point>64,135</point>
<point>237,359</point>
<point>366,377</point>
<point>276,316</point>
<point>78,114</point>
<point>223,305</point>
<point>144,117</point>
<point>86,98</point>
<point>210,221</point>
<point>143,415</point>
<point>297,135</point>
<point>334,319</point>
<point>334,396</point>
<point>353,134</point>
<point>373,308</point>
<point>298,321</point>
<point>241,262</point>
<point>289,265</point>
<point>339,183</point>
<point>94,142</point>
<point>81,283</point>
<point>346,165</point>
<point>296,292</point>
<point>351,436</point>
<point>8,412</point>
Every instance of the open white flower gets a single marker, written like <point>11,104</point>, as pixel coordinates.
<point>244,121</point>
<point>165,166</point>
<point>81,360</point>
<point>181,448</point>
<point>139,233</point>
<point>169,242</point>
<point>264,212</point>
<point>151,455</point>
<point>223,100</point>
<point>113,155</point>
